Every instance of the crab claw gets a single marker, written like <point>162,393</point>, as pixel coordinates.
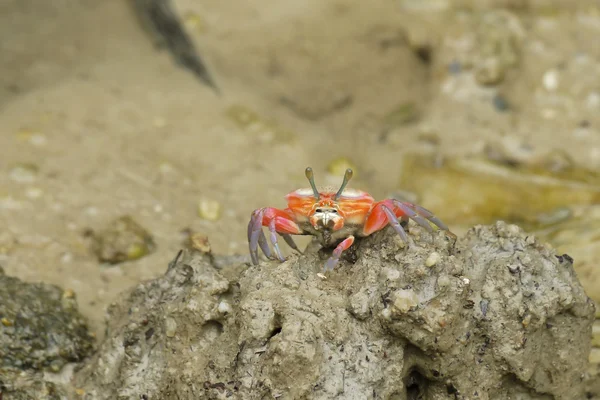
<point>256,237</point>
<point>278,222</point>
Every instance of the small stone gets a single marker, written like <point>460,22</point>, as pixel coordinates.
<point>592,100</point>
<point>199,242</point>
<point>166,168</point>
<point>6,322</point>
<point>594,356</point>
<point>209,210</point>
<point>123,240</point>
<point>386,313</point>
<point>443,281</point>
<point>359,305</point>
<point>596,334</point>
<point>392,274</point>
<point>34,193</point>
<point>224,307</point>
<point>38,139</point>
<point>170,327</point>
<point>404,300</point>
<point>68,294</point>
<point>433,259</point>
<point>551,80</point>
<point>194,22</point>
<point>500,103</point>
<point>24,173</point>
<point>489,72</point>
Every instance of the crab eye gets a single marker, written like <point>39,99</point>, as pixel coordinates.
<point>319,210</point>
<point>334,211</point>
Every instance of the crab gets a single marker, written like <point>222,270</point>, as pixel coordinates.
<point>335,218</point>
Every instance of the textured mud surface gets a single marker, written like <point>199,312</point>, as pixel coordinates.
<point>41,330</point>
<point>495,315</point>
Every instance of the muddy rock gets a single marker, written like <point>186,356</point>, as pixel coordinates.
<point>123,240</point>
<point>497,315</point>
<point>41,330</point>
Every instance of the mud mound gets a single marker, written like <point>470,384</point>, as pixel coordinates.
<point>494,315</point>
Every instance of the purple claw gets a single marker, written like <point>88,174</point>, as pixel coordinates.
<point>262,242</point>
<point>274,240</point>
<point>254,233</point>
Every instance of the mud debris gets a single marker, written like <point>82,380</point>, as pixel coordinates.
<point>123,240</point>
<point>279,330</point>
<point>41,332</point>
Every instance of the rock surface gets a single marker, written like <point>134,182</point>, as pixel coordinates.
<point>495,315</point>
<point>41,330</point>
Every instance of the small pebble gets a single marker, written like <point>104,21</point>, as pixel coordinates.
<point>592,101</point>
<point>170,327</point>
<point>37,139</point>
<point>200,243</point>
<point>551,80</point>
<point>224,307</point>
<point>209,210</point>
<point>392,274</point>
<point>386,313</point>
<point>24,173</point>
<point>500,103</point>
<point>455,68</point>
<point>594,356</point>
<point>513,229</point>
<point>490,72</point>
<point>443,281</point>
<point>404,300</point>
<point>433,259</point>
<point>34,193</point>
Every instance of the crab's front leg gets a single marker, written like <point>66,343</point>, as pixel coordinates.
<point>278,222</point>
<point>391,211</point>
<point>337,253</point>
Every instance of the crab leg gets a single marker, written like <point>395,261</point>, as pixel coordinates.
<point>420,215</point>
<point>388,211</point>
<point>335,257</point>
<point>288,239</point>
<point>278,221</point>
<point>393,220</point>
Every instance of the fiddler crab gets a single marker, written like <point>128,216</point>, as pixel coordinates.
<point>335,218</point>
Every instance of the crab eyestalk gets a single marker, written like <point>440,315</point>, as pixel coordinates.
<point>347,177</point>
<point>311,179</point>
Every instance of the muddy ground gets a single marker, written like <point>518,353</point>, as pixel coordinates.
<point>98,123</point>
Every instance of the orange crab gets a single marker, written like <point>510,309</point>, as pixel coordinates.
<point>334,217</point>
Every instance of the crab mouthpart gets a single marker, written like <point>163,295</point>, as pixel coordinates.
<point>327,219</point>
<point>326,222</point>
